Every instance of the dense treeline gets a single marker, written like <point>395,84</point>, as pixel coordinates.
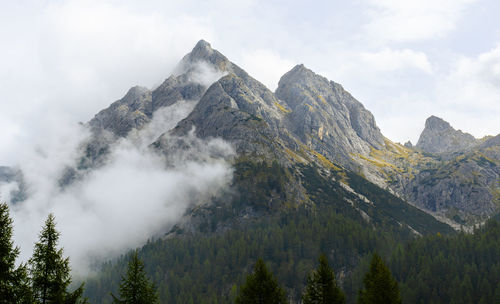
<point>460,268</point>
<point>195,269</point>
<point>463,268</point>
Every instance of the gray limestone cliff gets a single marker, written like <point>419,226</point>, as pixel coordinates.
<point>326,117</point>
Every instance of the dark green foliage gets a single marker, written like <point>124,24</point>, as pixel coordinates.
<point>13,282</point>
<point>8,256</point>
<point>203,269</point>
<point>261,288</point>
<point>260,184</point>
<point>136,287</point>
<point>463,268</point>
<point>49,271</point>
<point>322,287</point>
<point>380,287</point>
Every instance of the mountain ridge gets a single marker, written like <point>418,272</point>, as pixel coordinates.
<point>307,120</point>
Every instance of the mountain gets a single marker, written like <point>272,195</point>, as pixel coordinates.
<point>310,121</point>
<point>312,173</point>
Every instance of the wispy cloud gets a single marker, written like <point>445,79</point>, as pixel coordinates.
<point>391,60</point>
<point>138,193</point>
<point>413,20</point>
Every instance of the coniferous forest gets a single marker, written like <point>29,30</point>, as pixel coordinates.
<point>357,263</point>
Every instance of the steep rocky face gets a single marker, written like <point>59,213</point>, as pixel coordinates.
<point>137,107</point>
<point>440,137</point>
<point>232,111</point>
<point>326,117</point>
<point>133,111</point>
<point>465,188</point>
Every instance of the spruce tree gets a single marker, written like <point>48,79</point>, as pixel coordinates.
<point>8,255</point>
<point>50,271</point>
<point>261,288</point>
<point>136,287</point>
<point>321,286</point>
<point>379,285</point>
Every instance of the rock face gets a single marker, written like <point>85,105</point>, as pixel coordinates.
<point>439,137</point>
<point>133,111</point>
<point>326,117</point>
<point>465,188</point>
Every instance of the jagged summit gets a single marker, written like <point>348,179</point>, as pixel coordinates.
<point>202,45</point>
<point>439,136</point>
<point>203,52</point>
<point>135,92</point>
<point>436,123</point>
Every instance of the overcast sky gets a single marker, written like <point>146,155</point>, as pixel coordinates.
<point>63,61</point>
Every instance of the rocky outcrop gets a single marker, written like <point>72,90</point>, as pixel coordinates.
<point>133,111</point>
<point>465,189</point>
<point>440,137</point>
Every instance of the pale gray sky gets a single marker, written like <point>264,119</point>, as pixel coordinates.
<point>63,61</point>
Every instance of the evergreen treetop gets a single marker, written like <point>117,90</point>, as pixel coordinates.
<point>136,288</point>
<point>261,288</point>
<point>321,286</point>
<point>379,285</point>
<point>49,270</point>
<point>8,255</point>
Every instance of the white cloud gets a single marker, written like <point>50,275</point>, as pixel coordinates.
<point>470,94</point>
<point>133,197</point>
<point>388,60</point>
<point>413,20</point>
<point>266,66</point>
<point>73,58</point>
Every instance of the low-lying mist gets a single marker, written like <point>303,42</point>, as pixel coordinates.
<point>137,194</point>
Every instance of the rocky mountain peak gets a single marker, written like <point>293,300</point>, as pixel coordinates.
<point>202,46</point>
<point>439,136</point>
<point>203,52</point>
<point>436,123</point>
<point>302,77</point>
